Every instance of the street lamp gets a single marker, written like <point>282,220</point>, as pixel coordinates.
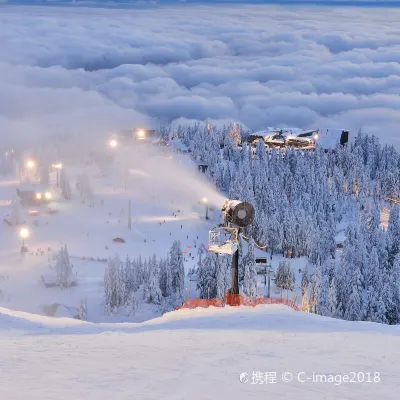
<point>113,143</point>
<point>205,201</point>
<point>48,196</point>
<point>24,234</point>
<point>30,164</point>
<point>141,134</point>
<point>316,136</point>
<point>58,168</point>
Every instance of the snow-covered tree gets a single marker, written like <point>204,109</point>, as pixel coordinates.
<point>234,134</point>
<point>177,272</point>
<point>285,278</point>
<point>250,272</point>
<point>82,310</point>
<point>153,291</point>
<point>65,185</point>
<point>114,289</point>
<point>63,268</point>
<point>131,305</point>
<point>304,280</point>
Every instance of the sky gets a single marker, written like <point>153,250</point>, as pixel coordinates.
<point>74,69</point>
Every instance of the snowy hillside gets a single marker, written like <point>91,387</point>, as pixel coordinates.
<point>165,190</point>
<point>196,354</point>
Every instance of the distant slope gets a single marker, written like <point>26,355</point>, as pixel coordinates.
<point>194,354</point>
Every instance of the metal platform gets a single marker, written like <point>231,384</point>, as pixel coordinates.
<point>222,240</point>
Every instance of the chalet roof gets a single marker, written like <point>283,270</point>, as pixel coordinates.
<point>285,131</point>
<point>327,138</point>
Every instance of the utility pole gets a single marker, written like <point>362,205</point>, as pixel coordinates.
<point>129,216</point>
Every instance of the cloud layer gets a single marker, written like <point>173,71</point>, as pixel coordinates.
<point>63,70</point>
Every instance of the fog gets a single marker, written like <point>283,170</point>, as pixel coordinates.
<point>69,70</point>
<point>166,176</point>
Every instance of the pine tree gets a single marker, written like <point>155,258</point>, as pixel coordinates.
<point>234,134</point>
<point>114,289</point>
<point>63,268</point>
<point>131,306</point>
<point>354,311</point>
<point>332,298</point>
<point>393,234</point>
<point>177,272</point>
<point>82,310</point>
<point>304,279</point>
<point>250,271</point>
<point>153,291</point>
<point>324,297</point>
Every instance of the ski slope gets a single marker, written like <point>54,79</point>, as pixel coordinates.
<point>194,354</point>
<point>165,190</point>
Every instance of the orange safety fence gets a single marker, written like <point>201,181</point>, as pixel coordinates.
<point>236,300</point>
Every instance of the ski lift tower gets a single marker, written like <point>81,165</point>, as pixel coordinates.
<point>224,239</point>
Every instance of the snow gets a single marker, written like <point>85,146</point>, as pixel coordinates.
<point>194,354</point>
<point>160,190</point>
<point>178,145</point>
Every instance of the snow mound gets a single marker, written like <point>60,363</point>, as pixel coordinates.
<point>194,354</point>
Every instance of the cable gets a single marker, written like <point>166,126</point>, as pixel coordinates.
<point>260,247</point>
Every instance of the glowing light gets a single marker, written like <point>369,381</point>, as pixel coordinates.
<point>316,136</point>
<point>48,195</point>
<point>38,196</point>
<point>58,166</point>
<point>204,200</point>
<point>24,233</point>
<point>30,164</point>
<point>141,133</point>
<point>113,143</point>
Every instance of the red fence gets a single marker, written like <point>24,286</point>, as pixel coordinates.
<point>236,300</point>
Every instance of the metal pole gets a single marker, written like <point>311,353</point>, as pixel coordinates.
<point>206,210</point>
<point>235,272</point>
<point>58,178</point>
<point>129,216</point>
<point>269,282</point>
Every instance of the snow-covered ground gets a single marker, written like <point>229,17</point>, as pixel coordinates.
<point>197,354</point>
<point>165,194</point>
<point>165,190</point>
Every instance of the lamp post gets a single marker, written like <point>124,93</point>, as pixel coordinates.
<point>113,143</point>
<point>58,168</point>
<point>30,164</point>
<point>23,234</point>
<point>205,201</point>
<point>29,169</point>
<point>141,134</point>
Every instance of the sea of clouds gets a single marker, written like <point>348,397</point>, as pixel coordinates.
<point>66,70</point>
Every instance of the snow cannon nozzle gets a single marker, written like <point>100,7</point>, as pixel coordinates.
<point>239,213</point>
